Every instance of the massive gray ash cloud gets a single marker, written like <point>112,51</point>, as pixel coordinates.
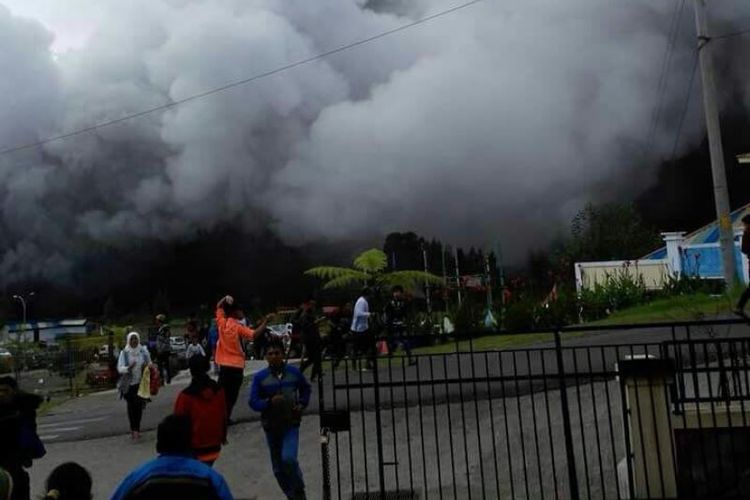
<point>494,123</point>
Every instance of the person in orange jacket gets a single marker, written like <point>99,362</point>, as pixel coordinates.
<point>230,356</point>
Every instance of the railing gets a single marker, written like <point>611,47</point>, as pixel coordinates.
<point>570,418</point>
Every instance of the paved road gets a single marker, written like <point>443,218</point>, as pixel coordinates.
<point>102,414</point>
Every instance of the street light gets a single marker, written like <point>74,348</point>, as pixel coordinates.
<point>744,159</point>
<point>23,300</point>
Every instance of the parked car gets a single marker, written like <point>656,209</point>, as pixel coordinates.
<point>179,352</point>
<point>6,360</point>
<point>100,375</point>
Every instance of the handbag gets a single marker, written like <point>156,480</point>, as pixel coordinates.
<point>123,383</point>
<point>155,381</point>
<point>144,389</point>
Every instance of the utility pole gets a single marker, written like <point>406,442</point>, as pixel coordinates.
<point>721,194</point>
<point>427,283</point>
<point>458,278</point>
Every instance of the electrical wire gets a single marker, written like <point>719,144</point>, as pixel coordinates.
<point>685,107</point>
<point>664,73</point>
<point>223,88</point>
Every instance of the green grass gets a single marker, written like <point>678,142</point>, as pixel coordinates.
<point>679,308</point>
<point>488,343</point>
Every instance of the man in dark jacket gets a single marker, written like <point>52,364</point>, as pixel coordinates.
<point>280,393</point>
<point>163,348</point>
<point>307,322</point>
<point>395,320</point>
<point>19,442</point>
<point>746,250</point>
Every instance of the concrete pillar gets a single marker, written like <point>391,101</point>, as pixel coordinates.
<point>579,276</point>
<point>645,382</point>
<point>743,259</point>
<point>674,241</point>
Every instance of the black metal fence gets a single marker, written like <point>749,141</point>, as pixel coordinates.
<point>633,411</point>
<point>64,369</point>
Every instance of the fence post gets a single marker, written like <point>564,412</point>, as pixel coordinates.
<point>571,459</point>
<point>324,433</point>
<point>378,423</point>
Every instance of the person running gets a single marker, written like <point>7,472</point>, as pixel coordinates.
<point>174,473</point>
<point>746,250</point>
<point>133,359</point>
<point>230,355</point>
<point>163,348</point>
<point>68,481</point>
<point>204,402</point>
<point>19,442</point>
<point>395,320</point>
<point>308,325</point>
<point>280,393</point>
<point>363,340</point>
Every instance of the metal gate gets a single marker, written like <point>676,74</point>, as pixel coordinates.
<point>552,421</point>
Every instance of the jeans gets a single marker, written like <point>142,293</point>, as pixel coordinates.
<point>283,447</point>
<point>230,379</point>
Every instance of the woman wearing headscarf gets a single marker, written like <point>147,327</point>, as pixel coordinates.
<point>133,359</point>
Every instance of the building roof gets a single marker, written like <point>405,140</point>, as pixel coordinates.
<point>706,234</point>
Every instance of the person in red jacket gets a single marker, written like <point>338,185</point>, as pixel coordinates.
<point>230,357</point>
<point>204,402</point>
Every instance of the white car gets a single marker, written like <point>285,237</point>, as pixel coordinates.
<point>6,360</point>
<point>177,344</point>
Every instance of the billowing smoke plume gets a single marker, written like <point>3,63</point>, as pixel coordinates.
<point>493,123</point>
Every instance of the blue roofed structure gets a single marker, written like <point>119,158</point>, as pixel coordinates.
<point>694,254</point>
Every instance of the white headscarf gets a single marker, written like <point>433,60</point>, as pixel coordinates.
<point>128,348</point>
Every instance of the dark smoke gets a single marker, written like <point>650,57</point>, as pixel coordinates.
<point>497,122</point>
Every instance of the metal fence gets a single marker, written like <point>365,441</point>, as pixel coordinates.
<point>636,411</point>
<point>64,369</point>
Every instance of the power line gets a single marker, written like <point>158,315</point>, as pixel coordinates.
<point>685,107</point>
<point>239,83</point>
<point>664,73</point>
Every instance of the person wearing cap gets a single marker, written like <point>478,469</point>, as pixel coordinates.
<point>204,402</point>
<point>230,356</point>
<point>163,348</point>
<point>133,359</point>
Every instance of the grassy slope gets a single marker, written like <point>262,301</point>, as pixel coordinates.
<point>679,308</point>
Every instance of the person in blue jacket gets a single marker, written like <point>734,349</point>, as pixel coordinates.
<point>280,392</point>
<point>174,469</point>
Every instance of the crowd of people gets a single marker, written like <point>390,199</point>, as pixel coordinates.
<point>190,440</point>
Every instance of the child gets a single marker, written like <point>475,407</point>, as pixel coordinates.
<point>194,348</point>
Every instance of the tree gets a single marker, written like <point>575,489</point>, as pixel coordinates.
<point>370,269</point>
<point>613,231</point>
